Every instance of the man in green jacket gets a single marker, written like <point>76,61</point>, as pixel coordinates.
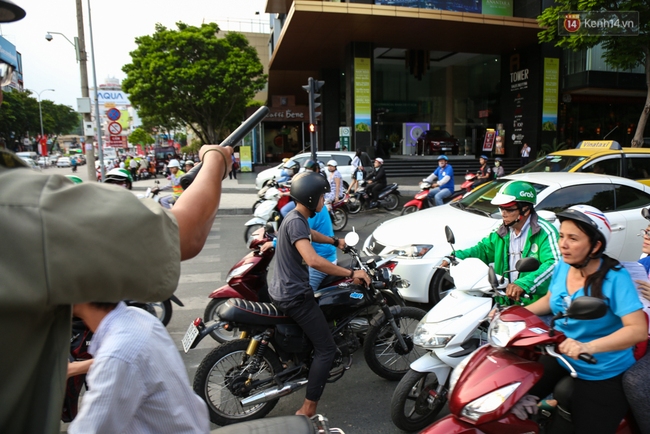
<point>523,234</point>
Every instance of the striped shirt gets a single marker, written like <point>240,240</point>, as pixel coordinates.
<point>137,382</point>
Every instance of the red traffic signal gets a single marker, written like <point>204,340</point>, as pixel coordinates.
<point>312,128</point>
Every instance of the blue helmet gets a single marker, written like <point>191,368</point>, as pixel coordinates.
<point>443,157</point>
<point>484,157</point>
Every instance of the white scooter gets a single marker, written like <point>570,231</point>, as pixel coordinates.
<point>451,331</point>
<point>265,212</point>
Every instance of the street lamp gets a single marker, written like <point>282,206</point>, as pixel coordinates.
<point>40,111</point>
<point>75,44</point>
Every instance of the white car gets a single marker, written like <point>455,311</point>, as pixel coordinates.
<point>343,159</point>
<point>63,162</point>
<point>419,238</point>
<point>31,163</point>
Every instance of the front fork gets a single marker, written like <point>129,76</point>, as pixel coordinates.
<point>393,324</point>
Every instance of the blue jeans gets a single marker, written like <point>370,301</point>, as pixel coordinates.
<point>316,277</point>
<point>167,201</point>
<point>438,194</point>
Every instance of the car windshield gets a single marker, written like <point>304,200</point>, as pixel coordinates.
<point>552,163</point>
<point>478,201</point>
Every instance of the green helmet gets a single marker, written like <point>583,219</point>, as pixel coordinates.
<point>74,179</point>
<point>515,191</point>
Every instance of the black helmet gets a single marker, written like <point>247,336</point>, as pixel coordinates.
<point>311,165</point>
<point>307,188</point>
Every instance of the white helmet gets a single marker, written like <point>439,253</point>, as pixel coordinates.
<point>189,163</point>
<point>174,163</point>
<point>591,217</point>
<point>332,163</point>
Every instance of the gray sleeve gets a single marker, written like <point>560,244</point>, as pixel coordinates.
<point>298,229</point>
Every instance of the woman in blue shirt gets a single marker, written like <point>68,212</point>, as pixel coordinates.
<point>597,402</point>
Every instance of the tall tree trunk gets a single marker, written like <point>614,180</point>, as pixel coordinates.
<point>637,141</point>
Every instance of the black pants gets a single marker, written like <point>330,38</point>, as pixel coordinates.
<point>374,189</point>
<point>304,310</point>
<point>595,406</point>
<point>636,382</point>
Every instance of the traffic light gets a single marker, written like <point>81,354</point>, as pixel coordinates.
<point>312,128</point>
<point>313,87</point>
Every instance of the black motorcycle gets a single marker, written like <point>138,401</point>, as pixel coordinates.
<point>244,379</point>
<point>388,198</point>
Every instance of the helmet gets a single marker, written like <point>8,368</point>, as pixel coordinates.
<point>443,157</point>
<point>498,159</point>
<point>291,164</point>
<point>484,157</point>
<point>591,218</point>
<point>119,176</point>
<point>380,160</point>
<point>307,188</point>
<point>334,163</point>
<point>311,165</point>
<point>515,191</point>
<point>74,179</point>
<point>174,163</point>
<point>284,160</point>
<point>189,163</point>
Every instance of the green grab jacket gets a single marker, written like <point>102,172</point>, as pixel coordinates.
<point>541,243</point>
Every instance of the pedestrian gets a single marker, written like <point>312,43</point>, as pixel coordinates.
<point>337,145</point>
<point>235,166</point>
<point>62,237</point>
<point>133,168</point>
<point>290,289</point>
<point>129,390</point>
<point>357,174</point>
<point>525,154</point>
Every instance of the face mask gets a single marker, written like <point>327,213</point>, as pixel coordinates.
<point>497,164</point>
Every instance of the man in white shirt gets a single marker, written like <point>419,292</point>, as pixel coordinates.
<point>137,381</point>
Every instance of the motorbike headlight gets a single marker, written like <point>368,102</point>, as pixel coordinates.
<point>239,271</point>
<point>412,251</point>
<point>489,402</point>
<point>425,337</point>
<point>500,332</point>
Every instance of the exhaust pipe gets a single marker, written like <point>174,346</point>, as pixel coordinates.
<point>272,394</point>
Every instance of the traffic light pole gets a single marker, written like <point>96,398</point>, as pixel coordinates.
<point>312,88</point>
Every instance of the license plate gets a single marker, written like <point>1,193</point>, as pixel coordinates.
<point>190,336</point>
<point>446,149</point>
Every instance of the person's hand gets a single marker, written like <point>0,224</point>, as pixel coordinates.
<point>266,246</point>
<point>573,348</point>
<point>78,368</point>
<point>341,244</point>
<point>444,264</point>
<point>227,154</point>
<point>644,288</point>
<point>514,291</point>
<point>360,276</point>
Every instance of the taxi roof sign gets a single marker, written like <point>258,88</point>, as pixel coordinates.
<point>599,144</point>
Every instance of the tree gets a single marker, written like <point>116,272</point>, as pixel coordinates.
<point>618,52</point>
<point>140,137</point>
<point>191,77</point>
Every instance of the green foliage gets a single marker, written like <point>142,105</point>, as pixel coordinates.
<point>191,77</point>
<point>140,137</point>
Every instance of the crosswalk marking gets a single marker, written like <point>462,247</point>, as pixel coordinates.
<point>199,278</point>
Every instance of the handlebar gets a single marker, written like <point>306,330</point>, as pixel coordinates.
<point>586,357</point>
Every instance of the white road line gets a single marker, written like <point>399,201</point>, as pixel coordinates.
<point>199,278</point>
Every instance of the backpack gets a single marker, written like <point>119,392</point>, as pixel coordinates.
<point>79,342</point>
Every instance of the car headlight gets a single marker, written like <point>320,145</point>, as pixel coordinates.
<point>412,251</point>
<point>488,402</point>
<point>239,271</point>
<point>500,332</point>
<point>426,337</point>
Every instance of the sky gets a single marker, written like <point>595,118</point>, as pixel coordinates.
<point>116,24</point>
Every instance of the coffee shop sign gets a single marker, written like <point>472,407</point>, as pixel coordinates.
<point>286,114</point>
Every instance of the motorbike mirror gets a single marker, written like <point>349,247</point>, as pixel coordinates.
<point>450,235</point>
<point>269,228</point>
<point>351,239</point>
<point>527,264</point>
<point>549,216</point>
<point>645,213</point>
<point>492,277</point>
<point>586,308</point>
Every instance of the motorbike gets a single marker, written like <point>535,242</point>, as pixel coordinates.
<point>450,331</point>
<point>339,213</point>
<point>268,210</point>
<point>273,183</point>
<point>247,279</point>
<point>388,198</point>
<point>494,380</point>
<point>317,424</point>
<point>152,193</point>
<point>273,357</point>
<point>161,310</point>
<point>420,200</point>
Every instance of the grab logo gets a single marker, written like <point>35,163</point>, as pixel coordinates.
<point>527,194</point>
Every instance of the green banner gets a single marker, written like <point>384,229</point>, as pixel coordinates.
<point>497,7</point>
<point>362,99</point>
<point>550,93</point>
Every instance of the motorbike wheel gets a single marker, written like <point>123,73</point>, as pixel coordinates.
<point>226,364</point>
<point>440,285</point>
<point>409,210</point>
<point>409,406</point>
<point>161,310</point>
<point>220,335</point>
<point>250,230</point>
<point>256,204</point>
<point>339,219</point>
<point>354,205</point>
<point>382,350</point>
<point>391,202</point>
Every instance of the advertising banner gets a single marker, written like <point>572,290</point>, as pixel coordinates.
<point>362,99</point>
<point>487,7</point>
<point>8,52</point>
<point>245,162</point>
<point>488,143</point>
<point>501,8</point>
<point>550,93</point>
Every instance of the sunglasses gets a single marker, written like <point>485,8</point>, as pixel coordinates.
<point>508,209</point>
<point>645,233</point>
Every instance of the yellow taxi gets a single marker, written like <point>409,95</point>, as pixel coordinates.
<point>596,156</point>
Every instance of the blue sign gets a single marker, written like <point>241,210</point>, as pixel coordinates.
<point>113,114</point>
<point>8,52</point>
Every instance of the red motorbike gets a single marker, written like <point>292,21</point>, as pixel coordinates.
<point>490,383</point>
<point>247,279</point>
<point>420,201</point>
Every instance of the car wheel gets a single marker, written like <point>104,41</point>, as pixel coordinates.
<point>440,285</point>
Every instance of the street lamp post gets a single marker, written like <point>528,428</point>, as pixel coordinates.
<point>40,111</point>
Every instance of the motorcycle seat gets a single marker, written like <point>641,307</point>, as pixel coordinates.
<point>251,312</point>
<point>388,188</point>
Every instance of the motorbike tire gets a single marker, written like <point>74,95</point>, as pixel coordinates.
<point>256,204</point>
<point>161,310</point>
<point>354,205</point>
<point>408,406</point>
<point>380,347</point>
<point>220,335</point>
<point>441,284</point>
<point>339,219</point>
<point>226,360</point>
<point>409,209</point>
<point>250,230</point>
<point>391,202</point>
